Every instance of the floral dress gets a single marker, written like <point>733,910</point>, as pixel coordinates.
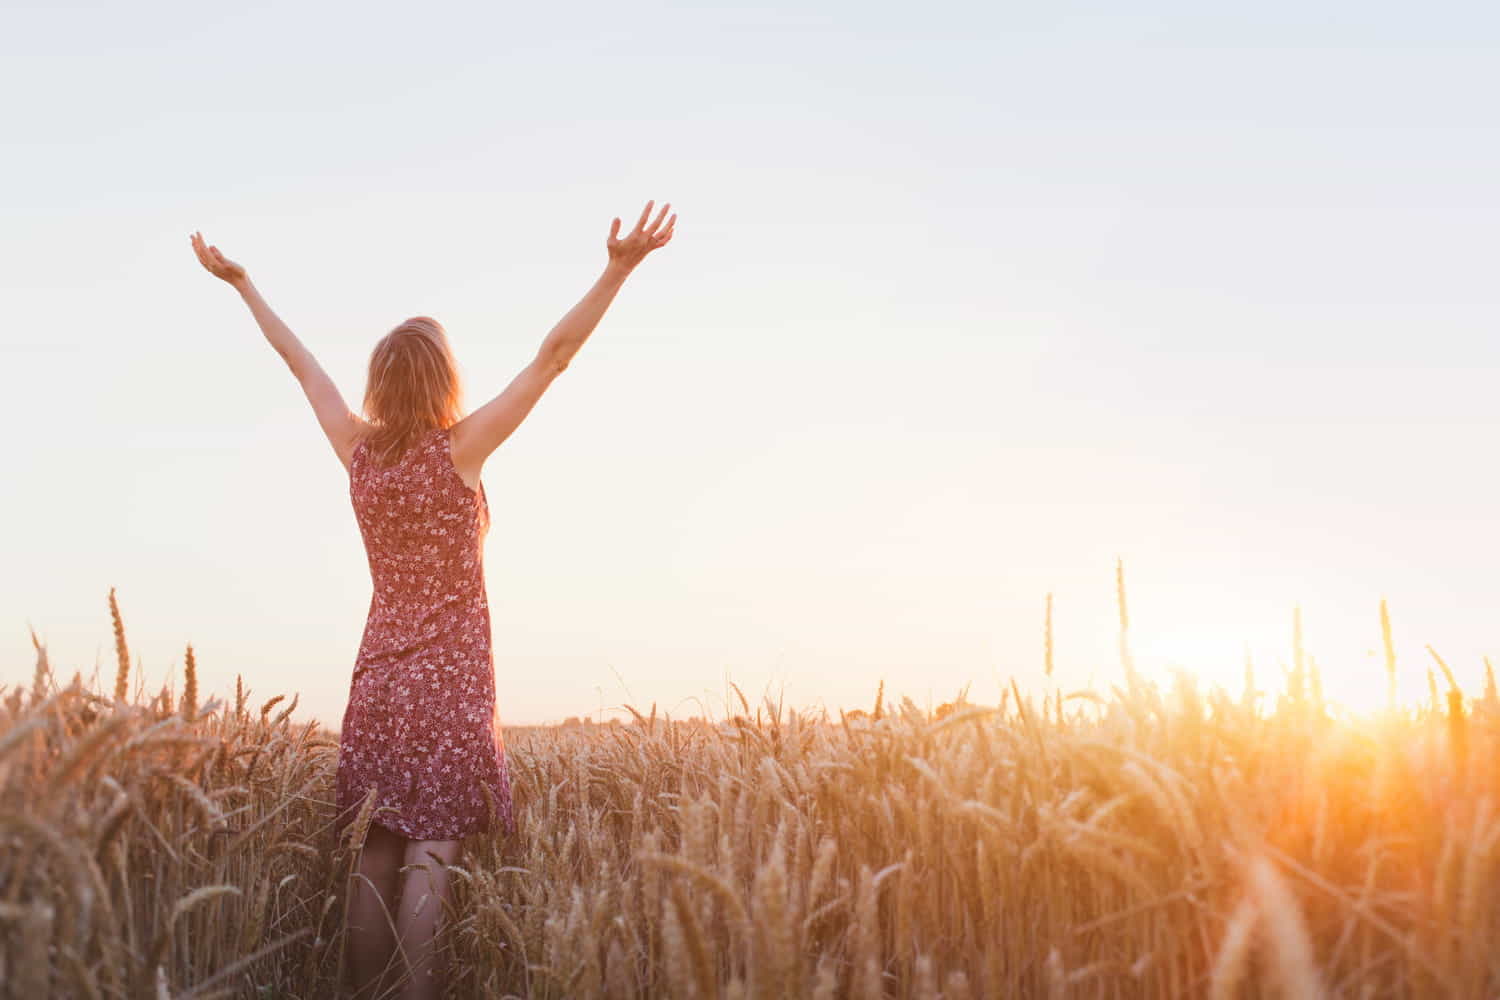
<point>421,726</point>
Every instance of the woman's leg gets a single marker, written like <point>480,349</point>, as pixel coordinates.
<point>372,912</point>
<point>424,890</point>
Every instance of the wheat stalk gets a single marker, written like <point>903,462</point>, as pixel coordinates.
<point>190,685</point>
<point>1390,655</point>
<point>1046,649</point>
<point>122,652</point>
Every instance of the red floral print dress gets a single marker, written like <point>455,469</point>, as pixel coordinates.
<point>421,725</point>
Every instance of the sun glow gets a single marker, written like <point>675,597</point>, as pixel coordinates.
<point>1353,680</point>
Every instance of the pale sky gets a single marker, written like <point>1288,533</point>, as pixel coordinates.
<point>966,301</point>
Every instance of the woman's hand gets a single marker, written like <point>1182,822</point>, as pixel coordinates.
<point>217,264</point>
<point>646,236</point>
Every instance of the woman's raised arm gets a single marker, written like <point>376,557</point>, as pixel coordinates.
<point>481,432</point>
<point>339,424</point>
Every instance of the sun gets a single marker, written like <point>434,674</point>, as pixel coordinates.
<point>1212,656</point>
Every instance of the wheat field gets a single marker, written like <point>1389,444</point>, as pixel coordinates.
<point>1151,842</point>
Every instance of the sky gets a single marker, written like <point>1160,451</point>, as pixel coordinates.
<point>965,303</point>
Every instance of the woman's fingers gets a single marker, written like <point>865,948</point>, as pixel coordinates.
<point>649,233</point>
<point>660,216</point>
<point>661,235</point>
<point>202,251</point>
<point>645,214</point>
<point>213,259</point>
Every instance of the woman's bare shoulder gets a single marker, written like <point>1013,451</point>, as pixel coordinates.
<point>461,448</point>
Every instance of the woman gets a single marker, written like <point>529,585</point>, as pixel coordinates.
<point>420,732</point>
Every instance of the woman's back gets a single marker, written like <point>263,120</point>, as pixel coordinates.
<point>423,530</point>
<point>421,725</point>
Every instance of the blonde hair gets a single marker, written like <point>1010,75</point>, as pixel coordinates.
<point>413,387</point>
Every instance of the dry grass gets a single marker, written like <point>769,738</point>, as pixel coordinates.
<point>1151,844</point>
